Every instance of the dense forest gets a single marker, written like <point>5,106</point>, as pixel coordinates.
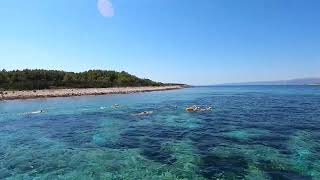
<point>48,79</point>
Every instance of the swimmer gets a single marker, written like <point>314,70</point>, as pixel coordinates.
<point>34,112</point>
<point>37,112</point>
<point>144,113</point>
<point>198,108</point>
<point>116,106</point>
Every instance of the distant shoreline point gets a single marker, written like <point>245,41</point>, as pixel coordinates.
<point>48,93</point>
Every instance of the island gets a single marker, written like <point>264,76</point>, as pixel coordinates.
<point>314,84</point>
<point>39,83</point>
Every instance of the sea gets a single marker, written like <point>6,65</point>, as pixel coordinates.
<point>251,132</point>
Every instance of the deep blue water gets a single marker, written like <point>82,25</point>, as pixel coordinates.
<point>253,132</point>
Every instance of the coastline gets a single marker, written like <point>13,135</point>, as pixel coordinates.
<point>313,84</point>
<point>47,93</point>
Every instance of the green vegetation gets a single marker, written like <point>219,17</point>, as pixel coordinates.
<point>48,79</point>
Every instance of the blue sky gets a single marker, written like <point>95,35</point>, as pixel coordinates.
<point>194,42</point>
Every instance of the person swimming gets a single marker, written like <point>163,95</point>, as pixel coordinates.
<point>196,108</point>
<point>116,106</point>
<point>102,108</point>
<point>144,113</point>
<point>37,112</point>
<point>34,112</point>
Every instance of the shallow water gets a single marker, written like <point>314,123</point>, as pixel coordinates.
<point>253,132</point>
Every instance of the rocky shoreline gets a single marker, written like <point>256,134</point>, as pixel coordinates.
<point>46,93</point>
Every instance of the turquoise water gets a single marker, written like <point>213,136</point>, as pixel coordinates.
<point>253,132</point>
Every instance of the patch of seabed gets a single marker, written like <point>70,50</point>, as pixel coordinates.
<point>187,161</point>
<point>246,134</point>
<point>51,159</point>
<point>305,157</point>
<point>254,162</point>
<point>109,131</point>
<point>27,161</point>
<point>130,164</point>
<point>182,120</point>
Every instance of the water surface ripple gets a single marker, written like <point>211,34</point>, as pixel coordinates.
<point>253,132</point>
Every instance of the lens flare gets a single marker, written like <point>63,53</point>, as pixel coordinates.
<point>105,8</point>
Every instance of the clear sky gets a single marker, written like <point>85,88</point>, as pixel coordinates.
<point>187,41</point>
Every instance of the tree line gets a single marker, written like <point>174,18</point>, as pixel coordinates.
<point>48,79</point>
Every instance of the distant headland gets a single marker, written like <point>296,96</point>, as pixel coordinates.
<point>301,81</point>
<point>39,83</point>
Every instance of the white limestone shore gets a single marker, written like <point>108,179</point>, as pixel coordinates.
<point>46,93</point>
